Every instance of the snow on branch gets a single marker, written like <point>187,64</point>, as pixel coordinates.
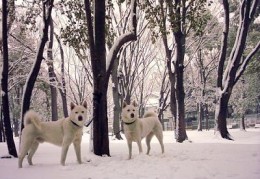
<point>121,40</point>
<point>253,9</point>
<point>246,61</point>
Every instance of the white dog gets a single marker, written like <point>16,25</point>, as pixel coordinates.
<point>136,129</point>
<point>62,132</point>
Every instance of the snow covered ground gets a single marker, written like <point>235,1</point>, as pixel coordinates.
<point>206,157</point>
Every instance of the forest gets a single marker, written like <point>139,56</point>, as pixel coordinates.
<point>195,62</point>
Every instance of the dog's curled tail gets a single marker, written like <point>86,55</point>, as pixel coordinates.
<point>150,114</point>
<point>31,117</point>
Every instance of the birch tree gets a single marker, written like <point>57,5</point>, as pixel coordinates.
<point>231,68</point>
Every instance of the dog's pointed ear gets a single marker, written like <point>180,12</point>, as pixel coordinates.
<point>85,104</point>
<point>134,103</point>
<point>124,104</point>
<point>72,106</point>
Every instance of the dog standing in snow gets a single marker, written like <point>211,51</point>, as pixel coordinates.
<point>137,128</point>
<point>62,132</point>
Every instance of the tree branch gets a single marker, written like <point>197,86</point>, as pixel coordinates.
<point>246,61</point>
<point>90,30</point>
<point>224,42</point>
<point>121,40</point>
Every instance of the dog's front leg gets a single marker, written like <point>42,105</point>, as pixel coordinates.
<point>140,146</point>
<point>65,147</point>
<point>64,154</point>
<point>129,143</point>
<point>77,148</point>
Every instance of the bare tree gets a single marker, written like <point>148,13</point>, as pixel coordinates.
<point>229,74</point>
<point>47,9</point>
<point>52,76</point>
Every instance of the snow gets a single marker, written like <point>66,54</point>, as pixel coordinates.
<point>206,157</point>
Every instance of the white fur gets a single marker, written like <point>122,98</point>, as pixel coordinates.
<point>136,129</point>
<point>62,132</point>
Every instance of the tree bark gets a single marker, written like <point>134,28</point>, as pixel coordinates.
<point>242,123</point>
<point>221,116</point>
<point>52,76</point>
<point>206,117</point>
<point>200,116</point>
<point>2,132</point>
<point>4,83</point>
<point>31,79</point>
<point>116,99</point>
<point>202,92</point>
<point>180,94</point>
<point>100,121</point>
<point>62,89</point>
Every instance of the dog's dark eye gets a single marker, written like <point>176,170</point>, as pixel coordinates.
<point>82,111</point>
<point>133,110</point>
<point>128,110</point>
<point>76,112</point>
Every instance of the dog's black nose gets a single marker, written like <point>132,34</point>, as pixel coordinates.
<point>80,118</point>
<point>132,115</point>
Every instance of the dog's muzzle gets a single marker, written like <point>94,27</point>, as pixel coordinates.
<point>132,115</point>
<point>80,118</point>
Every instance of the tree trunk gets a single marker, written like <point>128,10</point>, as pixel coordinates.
<point>173,107</point>
<point>141,101</point>
<point>4,84</point>
<point>100,122</point>
<point>98,61</point>
<point>206,117</point>
<point>16,127</point>
<point>164,94</point>
<point>242,123</point>
<point>52,76</point>
<point>180,95</point>
<point>116,99</point>
<point>200,116</point>
<point>221,116</point>
<point>203,80</point>
<point>31,79</point>
<point>2,132</point>
<point>62,90</point>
